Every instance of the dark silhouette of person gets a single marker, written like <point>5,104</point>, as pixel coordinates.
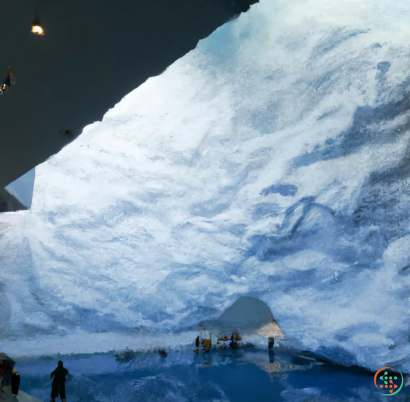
<point>58,386</point>
<point>162,353</point>
<point>197,342</point>
<point>234,345</point>
<point>15,382</point>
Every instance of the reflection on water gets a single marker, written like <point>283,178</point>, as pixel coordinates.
<point>223,375</point>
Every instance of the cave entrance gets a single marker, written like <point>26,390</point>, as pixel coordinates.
<point>248,315</point>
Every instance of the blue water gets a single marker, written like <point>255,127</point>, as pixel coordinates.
<point>245,375</point>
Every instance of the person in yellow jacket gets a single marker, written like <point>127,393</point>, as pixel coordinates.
<point>207,345</point>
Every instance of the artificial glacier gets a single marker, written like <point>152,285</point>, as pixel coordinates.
<point>272,161</point>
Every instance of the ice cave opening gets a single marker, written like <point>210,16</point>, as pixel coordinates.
<point>248,316</point>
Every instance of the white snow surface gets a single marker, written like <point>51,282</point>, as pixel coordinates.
<point>271,161</point>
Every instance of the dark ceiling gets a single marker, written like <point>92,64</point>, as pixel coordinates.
<point>93,53</point>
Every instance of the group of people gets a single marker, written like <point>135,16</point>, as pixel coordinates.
<point>206,344</point>
<point>234,343</point>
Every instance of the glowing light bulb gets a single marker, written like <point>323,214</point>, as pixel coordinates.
<point>37,30</point>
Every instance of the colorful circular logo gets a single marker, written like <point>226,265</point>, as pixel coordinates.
<point>388,381</point>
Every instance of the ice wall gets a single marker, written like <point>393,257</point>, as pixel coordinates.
<point>272,161</point>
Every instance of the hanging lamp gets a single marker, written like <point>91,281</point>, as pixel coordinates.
<point>36,27</point>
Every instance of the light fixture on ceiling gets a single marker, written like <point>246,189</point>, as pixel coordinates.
<point>36,27</point>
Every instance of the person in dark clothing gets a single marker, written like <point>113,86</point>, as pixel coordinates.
<point>162,353</point>
<point>58,387</point>
<point>15,382</point>
<point>234,345</point>
<point>197,342</point>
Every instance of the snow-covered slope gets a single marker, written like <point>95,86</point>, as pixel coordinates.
<point>272,161</point>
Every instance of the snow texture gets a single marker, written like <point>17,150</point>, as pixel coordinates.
<point>272,161</point>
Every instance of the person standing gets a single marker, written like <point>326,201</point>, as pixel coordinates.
<point>58,386</point>
<point>207,345</point>
<point>15,382</point>
<point>197,342</point>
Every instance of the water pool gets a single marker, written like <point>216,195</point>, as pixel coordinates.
<point>243,375</point>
